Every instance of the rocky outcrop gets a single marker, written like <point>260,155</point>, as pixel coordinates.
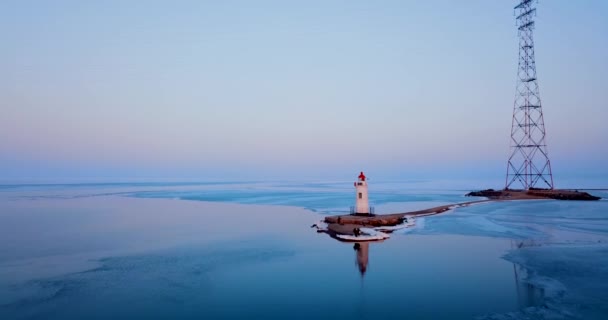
<point>564,195</point>
<point>557,194</point>
<point>488,193</point>
<point>374,221</point>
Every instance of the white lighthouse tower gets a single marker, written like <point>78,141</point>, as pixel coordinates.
<point>362,203</point>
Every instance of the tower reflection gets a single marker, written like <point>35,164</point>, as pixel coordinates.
<point>361,256</point>
<point>528,294</point>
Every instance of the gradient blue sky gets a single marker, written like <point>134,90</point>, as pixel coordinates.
<point>289,90</point>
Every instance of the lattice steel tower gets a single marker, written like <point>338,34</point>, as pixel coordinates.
<point>529,165</point>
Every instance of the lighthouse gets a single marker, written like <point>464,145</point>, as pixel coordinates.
<point>361,202</point>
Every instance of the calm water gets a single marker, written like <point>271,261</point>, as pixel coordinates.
<point>143,251</point>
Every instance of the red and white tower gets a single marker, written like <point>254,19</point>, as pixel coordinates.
<point>362,202</point>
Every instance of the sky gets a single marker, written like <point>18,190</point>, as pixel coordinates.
<point>195,90</point>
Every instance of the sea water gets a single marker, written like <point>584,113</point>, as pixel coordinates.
<point>68,252</point>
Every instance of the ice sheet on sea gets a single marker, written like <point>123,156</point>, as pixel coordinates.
<point>473,225</point>
<point>330,201</point>
<point>562,245</point>
<point>549,221</point>
<point>326,197</point>
<point>573,278</point>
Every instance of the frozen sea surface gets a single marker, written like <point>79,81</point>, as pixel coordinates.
<point>128,251</point>
<point>560,246</point>
<point>325,197</point>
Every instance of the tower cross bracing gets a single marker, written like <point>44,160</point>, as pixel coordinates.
<point>528,165</point>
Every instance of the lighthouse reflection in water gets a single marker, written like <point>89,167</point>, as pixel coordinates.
<point>362,256</point>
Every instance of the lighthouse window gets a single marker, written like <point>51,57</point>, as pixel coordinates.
<point>360,195</point>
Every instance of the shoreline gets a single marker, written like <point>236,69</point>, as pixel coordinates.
<point>490,195</point>
<point>396,218</point>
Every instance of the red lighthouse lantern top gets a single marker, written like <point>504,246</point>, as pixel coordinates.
<point>361,176</point>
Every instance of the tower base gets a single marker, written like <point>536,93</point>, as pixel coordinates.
<point>365,214</point>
